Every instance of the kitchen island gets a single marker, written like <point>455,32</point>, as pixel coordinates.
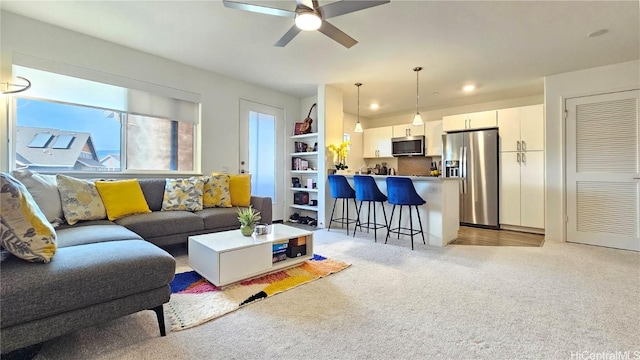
<point>440,216</point>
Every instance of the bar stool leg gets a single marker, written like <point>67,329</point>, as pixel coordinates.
<point>332,211</point>
<point>375,223</point>
<point>411,226</point>
<point>358,209</point>
<point>421,231</point>
<point>400,219</point>
<point>390,222</point>
<point>369,215</point>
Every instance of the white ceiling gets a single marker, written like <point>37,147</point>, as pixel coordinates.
<point>504,47</point>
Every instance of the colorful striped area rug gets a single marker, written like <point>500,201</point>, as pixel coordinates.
<point>195,301</point>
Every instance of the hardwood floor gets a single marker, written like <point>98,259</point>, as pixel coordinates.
<point>476,236</point>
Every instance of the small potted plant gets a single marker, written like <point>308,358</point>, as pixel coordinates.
<point>248,218</point>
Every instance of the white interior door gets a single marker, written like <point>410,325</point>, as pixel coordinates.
<point>603,170</point>
<point>262,151</point>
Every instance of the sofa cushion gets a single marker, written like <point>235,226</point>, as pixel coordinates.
<point>183,194</point>
<point>24,231</point>
<point>161,223</point>
<point>153,190</point>
<point>44,189</point>
<point>81,276</point>
<point>215,218</point>
<point>122,198</point>
<point>80,200</point>
<point>88,234</point>
<point>216,191</point>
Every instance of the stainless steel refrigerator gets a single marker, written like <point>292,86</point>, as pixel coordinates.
<point>473,156</point>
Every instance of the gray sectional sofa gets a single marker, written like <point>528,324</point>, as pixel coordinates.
<point>103,270</point>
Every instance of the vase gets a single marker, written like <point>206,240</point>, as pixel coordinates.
<point>342,172</point>
<point>247,230</point>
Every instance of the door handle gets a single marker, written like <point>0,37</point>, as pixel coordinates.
<point>524,146</point>
<point>524,158</point>
<point>518,145</point>
<point>518,158</point>
<point>637,178</point>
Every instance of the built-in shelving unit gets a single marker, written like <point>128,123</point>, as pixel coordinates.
<point>304,166</point>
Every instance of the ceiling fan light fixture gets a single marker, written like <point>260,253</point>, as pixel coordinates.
<point>308,20</point>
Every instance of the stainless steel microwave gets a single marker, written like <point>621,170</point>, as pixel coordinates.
<point>408,146</point>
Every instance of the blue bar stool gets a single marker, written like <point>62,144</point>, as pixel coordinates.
<point>340,189</point>
<point>401,191</point>
<point>367,190</point>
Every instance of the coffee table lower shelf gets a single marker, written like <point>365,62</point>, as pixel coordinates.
<point>227,257</point>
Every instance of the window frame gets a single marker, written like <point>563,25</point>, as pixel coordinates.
<point>124,172</point>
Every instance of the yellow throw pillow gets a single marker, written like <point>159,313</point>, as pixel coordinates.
<point>183,194</point>
<point>122,198</point>
<point>80,200</point>
<point>216,191</point>
<point>240,189</point>
<point>25,231</point>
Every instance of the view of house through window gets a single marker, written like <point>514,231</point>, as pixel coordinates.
<point>57,137</point>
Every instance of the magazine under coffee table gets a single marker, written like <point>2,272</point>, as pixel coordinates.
<point>227,257</point>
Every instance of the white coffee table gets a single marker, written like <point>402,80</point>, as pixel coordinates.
<point>227,257</point>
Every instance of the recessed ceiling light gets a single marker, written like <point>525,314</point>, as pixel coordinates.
<point>374,106</point>
<point>598,33</point>
<point>469,88</point>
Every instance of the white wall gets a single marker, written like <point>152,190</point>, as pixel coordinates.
<point>220,94</point>
<point>558,88</point>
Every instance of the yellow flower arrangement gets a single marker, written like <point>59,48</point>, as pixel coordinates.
<point>340,154</point>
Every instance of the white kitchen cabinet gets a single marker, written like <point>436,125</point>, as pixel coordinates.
<point>522,189</point>
<point>521,128</point>
<point>433,134</point>
<point>408,130</point>
<point>477,120</point>
<point>377,142</point>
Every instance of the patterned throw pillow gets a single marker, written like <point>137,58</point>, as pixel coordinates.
<point>80,200</point>
<point>44,190</point>
<point>216,191</point>
<point>24,231</point>
<point>183,194</point>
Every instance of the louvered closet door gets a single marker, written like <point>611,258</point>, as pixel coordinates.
<point>603,170</point>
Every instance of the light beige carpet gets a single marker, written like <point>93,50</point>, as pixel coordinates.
<point>458,302</point>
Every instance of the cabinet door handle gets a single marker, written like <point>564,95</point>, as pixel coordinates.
<point>469,123</point>
<point>518,145</point>
<point>518,157</point>
<point>407,132</point>
<point>524,158</point>
<point>524,146</point>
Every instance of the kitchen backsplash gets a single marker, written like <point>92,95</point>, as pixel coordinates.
<point>415,165</point>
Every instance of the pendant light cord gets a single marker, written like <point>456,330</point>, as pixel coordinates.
<point>417,70</point>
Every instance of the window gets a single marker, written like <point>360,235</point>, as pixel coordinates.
<point>118,130</point>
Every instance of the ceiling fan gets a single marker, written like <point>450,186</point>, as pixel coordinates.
<point>309,16</point>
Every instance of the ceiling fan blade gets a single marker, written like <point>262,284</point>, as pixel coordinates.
<point>337,34</point>
<point>259,9</point>
<point>347,6</point>
<point>284,40</point>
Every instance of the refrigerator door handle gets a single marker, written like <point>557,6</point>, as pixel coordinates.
<point>463,171</point>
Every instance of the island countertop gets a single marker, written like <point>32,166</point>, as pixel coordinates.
<point>413,178</point>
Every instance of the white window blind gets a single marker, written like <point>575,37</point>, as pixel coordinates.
<point>70,84</point>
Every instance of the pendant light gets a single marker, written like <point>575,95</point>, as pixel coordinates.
<point>417,118</point>
<point>358,128</point>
